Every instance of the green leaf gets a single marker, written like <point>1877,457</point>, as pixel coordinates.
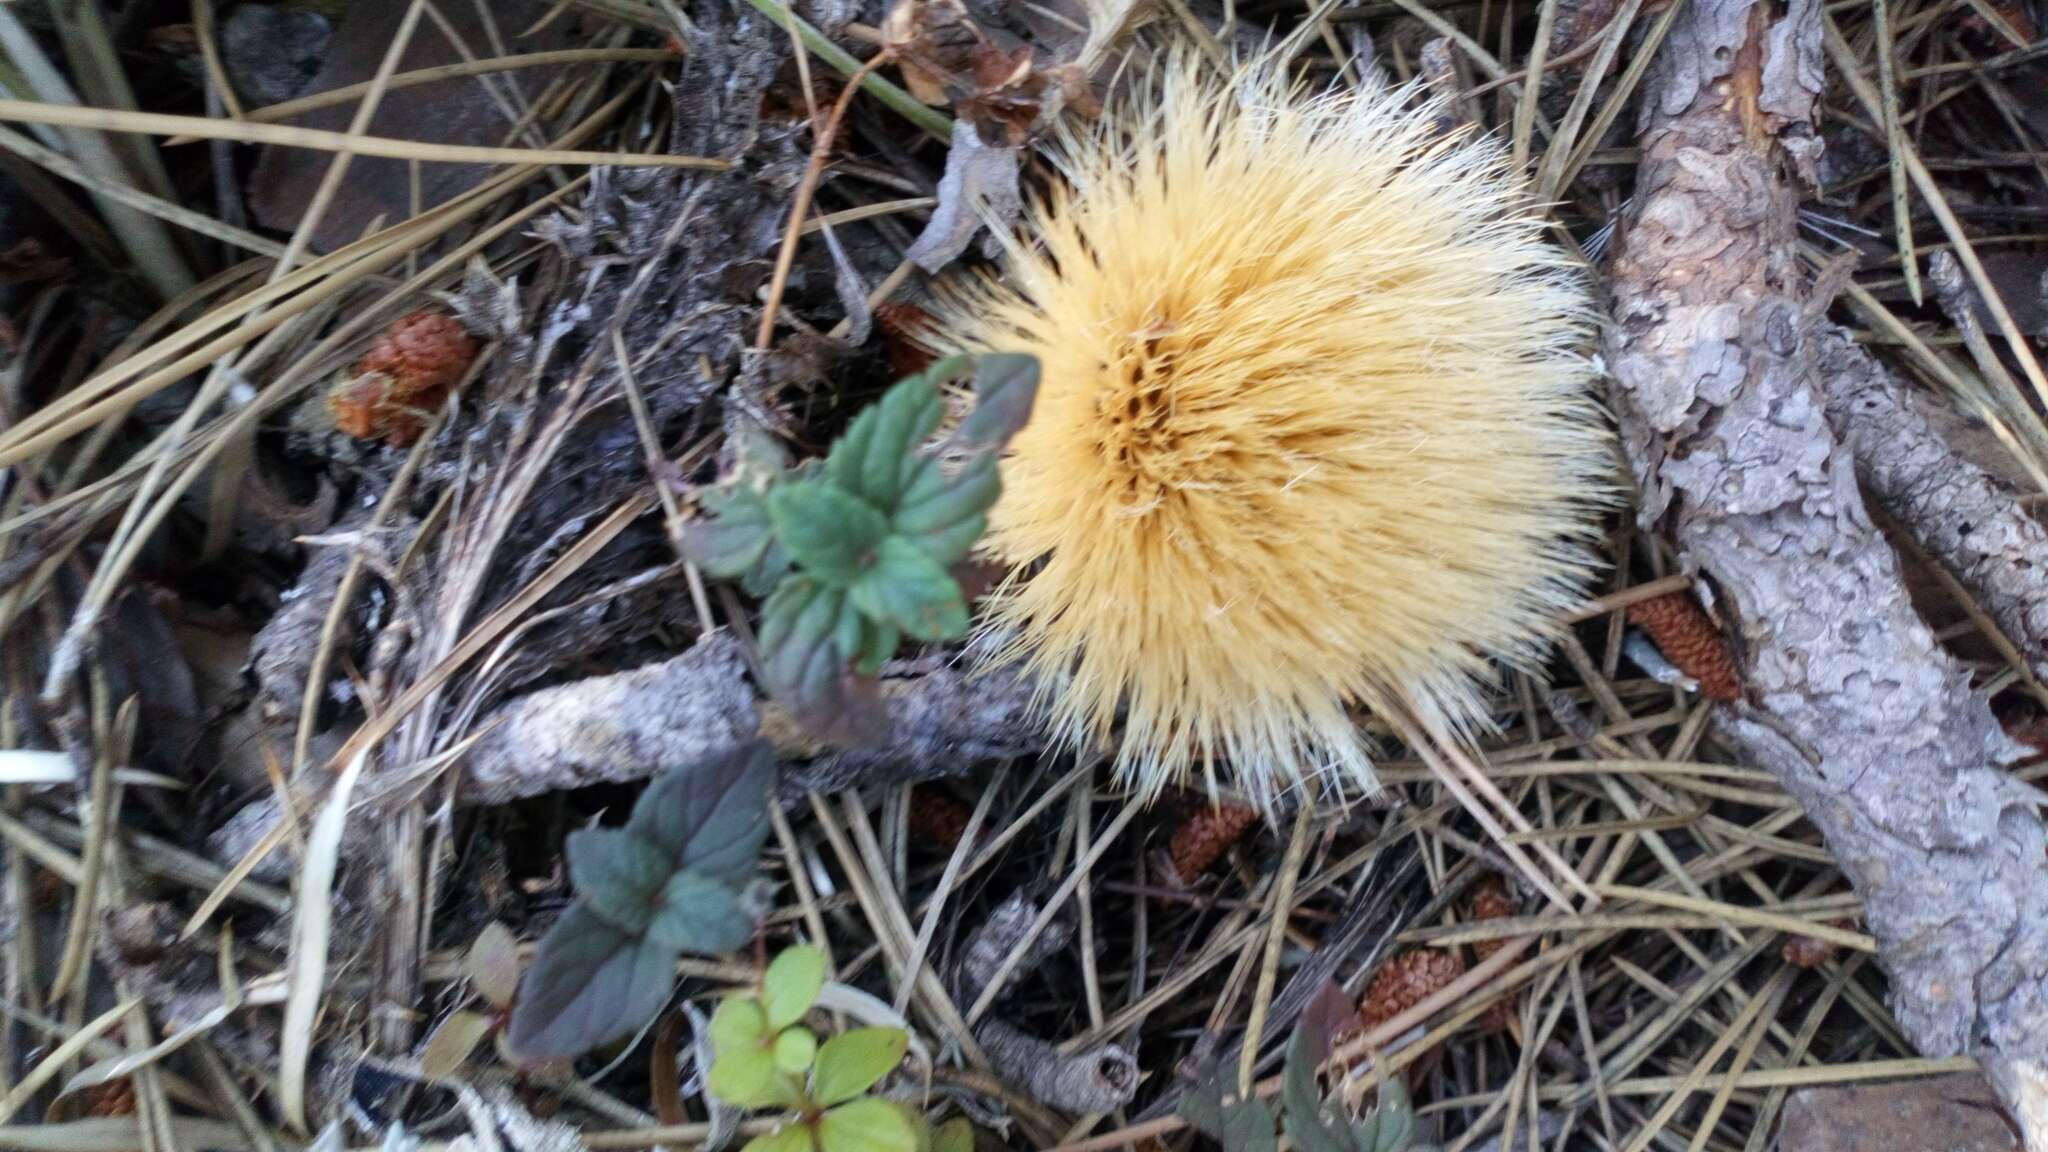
<point>870,460</point>
<point>1248,1127</point>
<point>794,1136</point>
<point>909,589</point>
<point>1393,1119</point>
<point>851,1062</point>
<point>700,914</point>
<point>748,1078</point>
<point>935,502</point>
<point>795,1048</point>
<point>589,984</point>
<point>955,1135</point>
<point>866,1126</point>
<point>797,652</point>
<point>619,875</point>
<point>710,816</point>
<point>791,984</point>
<point>735,537</point>
<point>739,1023</point>
<point>1311,1125</point>
<point>879,639</point>
<point>1005,388</point>
<point>1202,1105</point>
<point>829,533</point>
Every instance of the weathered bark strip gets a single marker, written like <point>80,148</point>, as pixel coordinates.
<point>613,729</point>
<point>630,725</point>
<point>1852,706</point>
<point>1965,517</point>
<point>1096,1080</point>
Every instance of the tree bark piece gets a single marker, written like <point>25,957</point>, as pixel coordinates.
<point>1851,704</point>
<point>1964,516</point>
<point>1094,1080</point>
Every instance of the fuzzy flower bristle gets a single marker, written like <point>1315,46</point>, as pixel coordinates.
<point>1313,429</point>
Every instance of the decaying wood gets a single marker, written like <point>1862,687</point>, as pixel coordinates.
<point>627,726</point>
<point>1965,517</point>
<point>1851,703</point>
<point>1094,1080</point>
<point>614,729</point>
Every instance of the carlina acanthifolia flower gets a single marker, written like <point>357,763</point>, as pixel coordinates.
<point>1314,430</point>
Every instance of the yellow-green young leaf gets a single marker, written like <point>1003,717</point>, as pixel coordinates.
<point>866,1126</point>
<point>795,1048</point>
<point>791,984</point>
<point>452,1043</point>
<point>851,1062</point>
<point>792,1137</point>
<point>955,1135</point>
<point>738,1023</point>
<point>748,1078</point>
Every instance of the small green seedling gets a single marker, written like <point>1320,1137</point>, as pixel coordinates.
<point>856,552</point>
<point>679,877</point>
<point>1312,1123</point>
<point>765,1058</point>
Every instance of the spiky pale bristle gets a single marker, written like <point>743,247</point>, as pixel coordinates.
<point>1313,429</point>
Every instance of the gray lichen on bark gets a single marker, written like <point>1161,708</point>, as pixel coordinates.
<point>1851,702</point>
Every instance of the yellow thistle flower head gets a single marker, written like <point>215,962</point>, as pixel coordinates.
<point>1314,429</point>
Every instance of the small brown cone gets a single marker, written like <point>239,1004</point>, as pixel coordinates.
<point>1408,980</point>
<point>1204,836</point>
<point>1690,641</point>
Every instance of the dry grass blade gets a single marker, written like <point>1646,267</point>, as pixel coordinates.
<point>249,132</point>
<point>312,921</point>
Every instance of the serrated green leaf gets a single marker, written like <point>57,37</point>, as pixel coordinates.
<point>1312,1126</point>
<point>736,535</point>
<point>795,1048</point>
<point>1005,389</point>
<point>748,1078</point>
<point>618,874</point>
<point>711,815</point>
<point>868,461</point>
<point>955,1135</point>
<point>783,608</point>
<point>795,1136</point>
<point>909,589</point>
<point>740,1022</point>
<point>849,632</point>
<point>699,914</point>
<point>866,1126</point>
<point>879,639</point>
<point>930,507</point>
<point>589,984</point>
<point>791,984</point>
<point>829,532</point>
<point>800,652</point>
<point>851,1062</point>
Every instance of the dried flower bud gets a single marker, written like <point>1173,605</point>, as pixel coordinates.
<point>1690,641</point>
<point>1408,980</point>
<point>1204,836</point>
<point>404,376</point>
